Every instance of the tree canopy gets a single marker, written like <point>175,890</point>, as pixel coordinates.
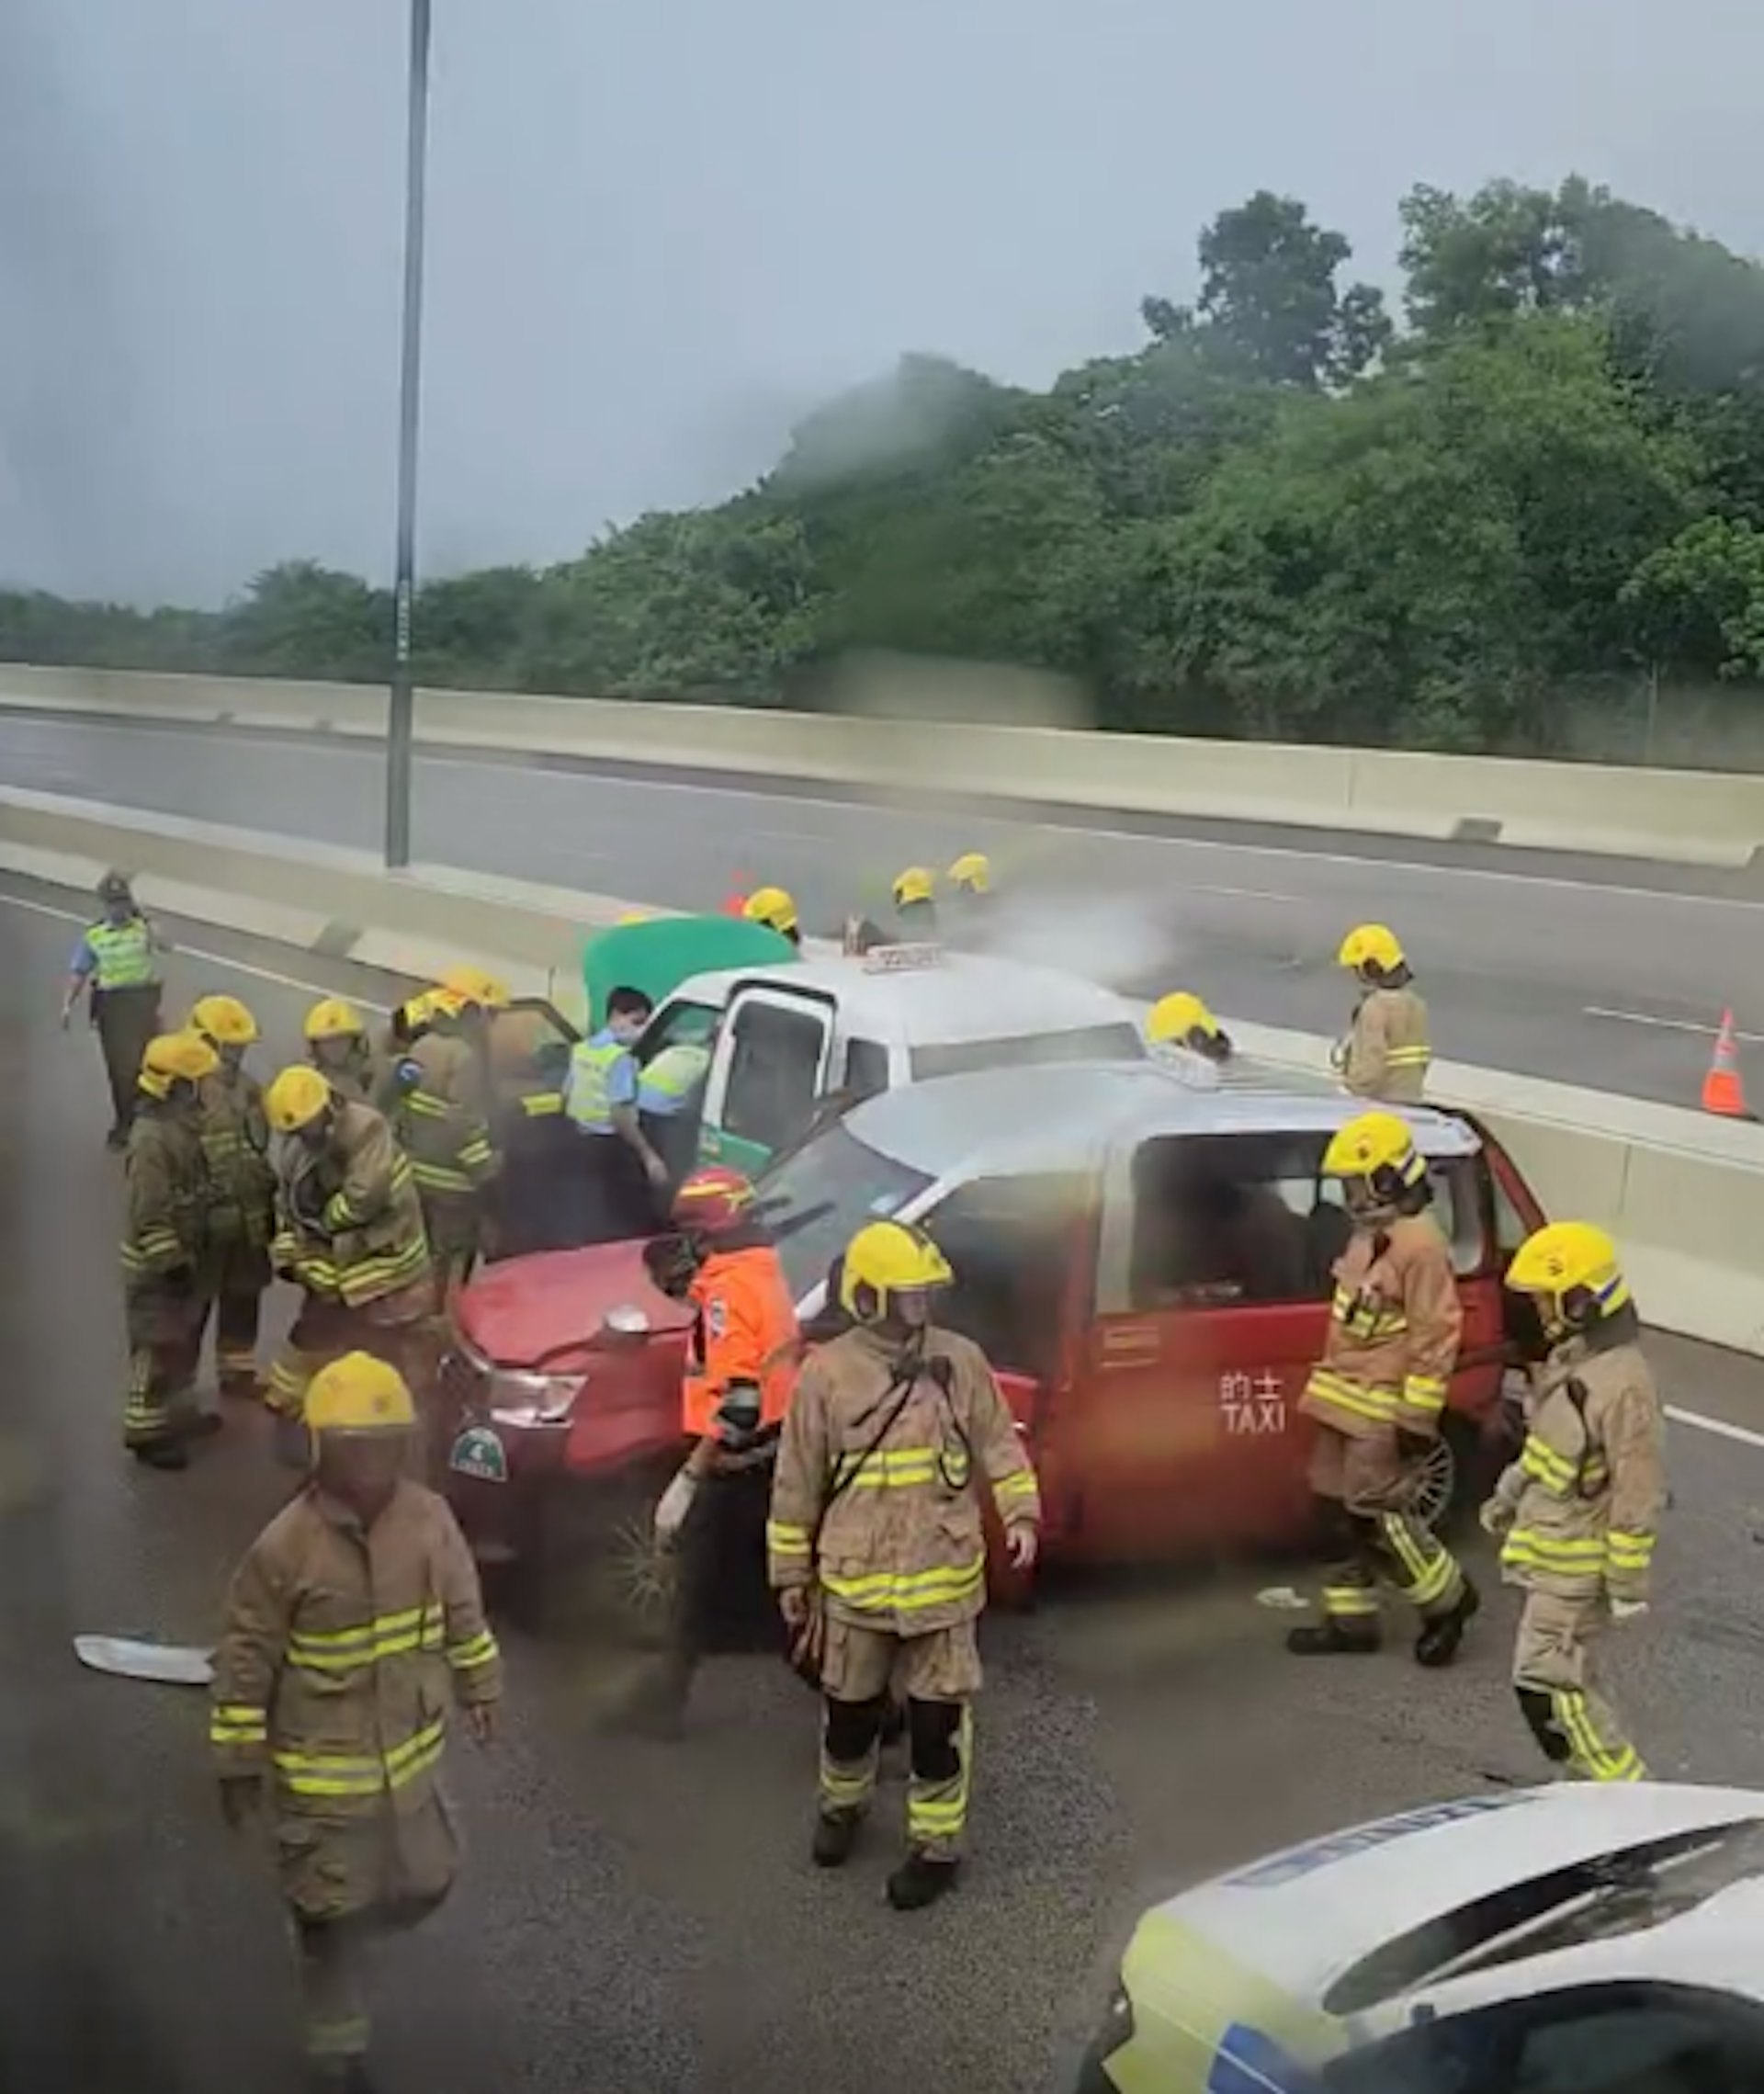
<point>1284,513</point>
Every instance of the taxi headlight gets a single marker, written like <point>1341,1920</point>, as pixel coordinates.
<point>528,1399</point>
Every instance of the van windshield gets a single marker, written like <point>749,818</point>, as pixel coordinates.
<point>817,1199</point>
<point>1117,1042</point>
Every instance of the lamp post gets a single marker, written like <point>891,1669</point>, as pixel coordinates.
<point>401,709</point>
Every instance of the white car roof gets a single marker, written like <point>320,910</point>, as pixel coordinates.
<point>1068,1117</point>
<point>963,996</point>
<point>1307,1918</point>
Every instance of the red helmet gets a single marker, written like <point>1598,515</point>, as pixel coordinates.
<point>713,1202</point>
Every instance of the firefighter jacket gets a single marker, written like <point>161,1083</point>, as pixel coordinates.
<point>744,1328</point>
<point>343,1649</point>
<point>350,1223</point>
<point>165,1240</point>
<point>235,1145</point>
<point>1585,1495</point>
<point>1394,1325</point>
<point>1387,1048</point>
<point>439,1117</point>
<point>877,1493</point>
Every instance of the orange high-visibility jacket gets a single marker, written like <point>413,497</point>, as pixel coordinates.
<point>745,1330</point>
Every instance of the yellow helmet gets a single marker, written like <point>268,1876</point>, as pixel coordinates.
<point>224,1021</point>
<point>886,1258</point>
<point>772,906</point>
<point>359,1394</point>
<point>1568,1258</point>
<point>172,1057</point>
<point>335,1019</point>
<point>463,985</point>
<point>428,1004</point>
<point>1371,945</point>
<point>1379,1147</point>
<point>918,883</point>
<point>972,873</point>
<point>296,1098</point>
<point>1173,1017</point>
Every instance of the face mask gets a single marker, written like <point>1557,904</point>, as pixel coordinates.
<point>626,1030</point>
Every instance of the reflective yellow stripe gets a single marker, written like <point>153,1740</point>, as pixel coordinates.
<point>1526,1549</point>
<point>1328,1387</point>
<point>1424,1392</point>
<point>477,1651</point>
<point>1345,1600</point>
<point>389,1635</point>
<point>889,1468</point>
<point>786,1539</point>
<point>427,1105</point>
<point>1630,1551</point>
<point>1408,1057</point>
<point>883,1591</point>
<point>340,1774</point>
<point>1020,1483</point>
<point>238,1723</point>
<point>1367,1319</point>
<point>441,1178</point>
<point>538,1104</point>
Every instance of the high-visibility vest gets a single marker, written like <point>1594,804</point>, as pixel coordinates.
<point>745,1330</point>
<point>590,1084</point>
<point>124,953</point>
<point>670,1079</point>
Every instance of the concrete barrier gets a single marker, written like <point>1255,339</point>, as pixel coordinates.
<point>1683,1194</point>
<point>1689,817</point>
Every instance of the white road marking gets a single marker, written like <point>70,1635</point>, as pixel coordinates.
<point>362,746</point>
<point>1717,1425</point>
<point>1666,1024</point>
<point>198,953</point>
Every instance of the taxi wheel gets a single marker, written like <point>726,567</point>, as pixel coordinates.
<point>635,1580</point>
<point>1446,1477</point>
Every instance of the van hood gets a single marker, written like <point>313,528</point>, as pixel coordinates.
<point>543,1312</point>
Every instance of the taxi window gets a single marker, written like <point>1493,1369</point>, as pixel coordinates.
<point>817,1199</point>
<point>1008,1242</point>
<point>774,1074</point>
<point>1025,1050</point>
<point>867,1070</point>
<point>1250,1217</point>
<point>680,1024</point>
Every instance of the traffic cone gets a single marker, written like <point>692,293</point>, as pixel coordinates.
<point>1723,1090</point>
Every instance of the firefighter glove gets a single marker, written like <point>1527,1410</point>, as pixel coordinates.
<point>675,1504</point>
<point>1496,1516</point>
<point>1627,1610</point>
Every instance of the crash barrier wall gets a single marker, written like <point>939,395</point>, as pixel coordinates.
<point>1693,816</point>
<point>1683,1194</point>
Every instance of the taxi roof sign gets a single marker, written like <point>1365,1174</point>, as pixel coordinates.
<point>902,959</point>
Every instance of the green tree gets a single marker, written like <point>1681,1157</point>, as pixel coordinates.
<point>304,620</point>
<point>1698,601</point>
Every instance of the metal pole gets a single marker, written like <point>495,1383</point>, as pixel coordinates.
<point>400,709</point>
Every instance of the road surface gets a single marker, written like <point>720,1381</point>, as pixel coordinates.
<point>1597,971</point>
<point>647,1918</point>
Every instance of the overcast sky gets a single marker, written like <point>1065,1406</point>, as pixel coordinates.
<point>658,232</point>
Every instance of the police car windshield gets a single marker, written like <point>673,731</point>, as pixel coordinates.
<point>820,1197</point>
<point>1119,1041</point>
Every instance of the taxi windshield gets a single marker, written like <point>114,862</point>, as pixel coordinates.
<point>821,1195</point>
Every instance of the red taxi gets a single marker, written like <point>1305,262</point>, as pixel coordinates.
<point>1146,1264</point>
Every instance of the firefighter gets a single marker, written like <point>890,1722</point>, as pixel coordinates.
<point>878,1550</point>
<point>439,1116</point>
<point>1377,1398</point>
<point>116,963</point>
<point>741,1363</point>
<point>971,877</point>
<point>352,1623</point>
<point>915,901</point>
<point>338,1047</point>
<point>349,1233</point>
<point>1577,1512</point>
<point>1181,1025</point>
<point>241,1190</point>
<point>776,909</point>
<point>531,1202</point>
<point>1386,1052</point>
<point>164,1252</point>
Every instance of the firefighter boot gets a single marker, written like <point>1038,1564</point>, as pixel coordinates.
<point>920,1881</point>
<point>1438,1643</point>
<point>340,2076</point>
<point>1335,1636</point>
<point>836,1834</point>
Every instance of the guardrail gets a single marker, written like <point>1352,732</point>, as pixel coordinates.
<point>1690,817</point>
<point>1684,1194</point>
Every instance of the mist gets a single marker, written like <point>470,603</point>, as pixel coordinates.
<point>659,238</point>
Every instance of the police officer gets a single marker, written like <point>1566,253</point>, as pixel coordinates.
<point>1377,1398</point>
<point>878,1549</point>
<point>671,1101</point>
<point>117,963</point>
<point>741,1363</point>
<point>1577,1511</point>
<point>1387,1051</point>
<point>620,1172</point>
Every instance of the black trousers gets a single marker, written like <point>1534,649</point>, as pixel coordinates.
<point>126,1020</point>
<point>721,1600</point>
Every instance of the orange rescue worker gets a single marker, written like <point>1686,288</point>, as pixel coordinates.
<point>740,1364</point>
<point>353,1625</point>
<point>776,909</point>
<point>241,1190</point>
<point>337,1046</point>
<point>878,1550</point>
<point>1577,1513</point>
<point>1377,1398</point>
<point>1387,1051</point>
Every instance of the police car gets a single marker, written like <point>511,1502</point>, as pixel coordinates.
<point>1570,1939</point>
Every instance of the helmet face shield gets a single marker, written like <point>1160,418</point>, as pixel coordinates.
<point>910,1306</point>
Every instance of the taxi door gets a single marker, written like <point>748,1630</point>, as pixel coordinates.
<point>769,1073</point>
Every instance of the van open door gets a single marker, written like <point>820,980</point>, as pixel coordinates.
<point>771,1067</point>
